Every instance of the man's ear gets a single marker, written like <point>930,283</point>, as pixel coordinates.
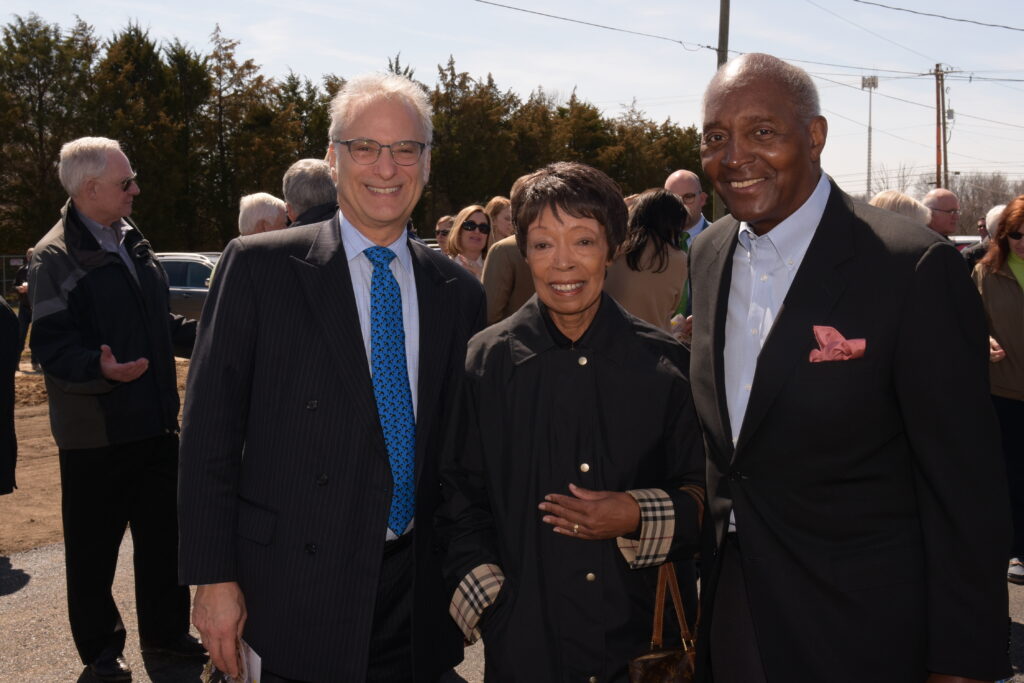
<point>290,212</point>
<point>818,129</point>
<point>330,158</point>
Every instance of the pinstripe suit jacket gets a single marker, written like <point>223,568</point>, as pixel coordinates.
<point>285,484</point>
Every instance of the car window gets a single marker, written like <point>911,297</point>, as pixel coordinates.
<point>198,274</point>
<point>176,272</point>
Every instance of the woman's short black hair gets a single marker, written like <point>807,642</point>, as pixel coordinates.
<point>580,190</point>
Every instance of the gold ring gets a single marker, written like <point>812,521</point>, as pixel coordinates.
<point>575,528</point>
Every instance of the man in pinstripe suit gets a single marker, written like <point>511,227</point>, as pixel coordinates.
<point>288,476</point>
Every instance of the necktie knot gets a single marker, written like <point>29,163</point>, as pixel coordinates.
<point>684,241</point>
<point>380,257</point>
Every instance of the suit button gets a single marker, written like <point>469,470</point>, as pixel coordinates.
<point>591,576</point>
<point>582,360</point>
<point>584,467</point>
<point>592,679</point>
<point>311,405</point>
<point>322,480</point>
<point>311,548</point>
<point>736,475</point>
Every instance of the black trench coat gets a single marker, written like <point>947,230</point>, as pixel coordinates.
<point>611,412</point>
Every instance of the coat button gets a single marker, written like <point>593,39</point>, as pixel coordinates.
<point>592,679</point>
<point>311,405</point>
<point>584,467</point>
<point>311,548</point>
<point>322,480</point>
<point>591,576</point>
<point>582,360</point>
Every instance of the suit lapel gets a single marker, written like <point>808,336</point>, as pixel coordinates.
<point>437,311</point>
<point>327,287</point>
<point>816,288</point>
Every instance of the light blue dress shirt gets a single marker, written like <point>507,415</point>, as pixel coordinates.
<point>361,271</point>
<point>763,269</point>
<point>111,238</point>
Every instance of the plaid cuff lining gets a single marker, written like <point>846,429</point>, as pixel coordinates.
<point>657,528</point>
<point>476,592</point>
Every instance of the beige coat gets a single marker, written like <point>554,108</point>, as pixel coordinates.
<point>646,294</point>
<point>1004,308</point>
<point>507,280</point>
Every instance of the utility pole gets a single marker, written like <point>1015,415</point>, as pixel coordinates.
<point>723,57</point>
<point>939,121</point>
<point>869,83</point>
<point>947,114</point>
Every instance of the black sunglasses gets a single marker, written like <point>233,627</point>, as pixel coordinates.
<point>443,233</point>
<point>1015,235</point>
<point>470,226</point>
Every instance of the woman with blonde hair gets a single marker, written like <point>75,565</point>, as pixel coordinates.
<point>897,202</point>
<point>499,211</point>
<point>467,242</point>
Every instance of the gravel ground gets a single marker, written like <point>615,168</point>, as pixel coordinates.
<point>36,647</point>
<point>35,640</point>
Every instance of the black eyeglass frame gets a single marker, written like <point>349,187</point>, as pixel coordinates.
<point>391,149</point>
<point>476,226</point>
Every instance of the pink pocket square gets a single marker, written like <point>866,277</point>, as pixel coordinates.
<point>835,346</point>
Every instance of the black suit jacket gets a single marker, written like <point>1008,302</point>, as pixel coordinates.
<point>285,484</point>
<point>869,494</point>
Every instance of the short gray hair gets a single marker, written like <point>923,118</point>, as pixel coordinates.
<point>363,90</point>
<point>82,159</point>
<point>253,208</point>
<point>757,66</point>
<point>308,183</point>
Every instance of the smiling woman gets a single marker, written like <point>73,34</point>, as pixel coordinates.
<point>579,468</point>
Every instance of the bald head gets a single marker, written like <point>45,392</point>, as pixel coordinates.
<point>686,185</point>
<point>795,85</point>
<point>945,208</point>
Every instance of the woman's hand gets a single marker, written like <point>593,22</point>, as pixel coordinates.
<point>590,514</point>
<point>995,351</point>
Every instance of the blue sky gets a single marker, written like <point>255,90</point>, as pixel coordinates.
<point>523,51</point>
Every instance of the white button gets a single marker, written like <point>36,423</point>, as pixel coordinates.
<point>582,360</point>
<point>753,331</point>
<point>584,467</point>
<point>764,278</point>
<point>592,679</point>
<point>591,576</point>
<point>746,387</point>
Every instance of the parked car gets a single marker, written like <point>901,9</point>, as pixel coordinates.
<point>961,242</point>
<point>189,278</point>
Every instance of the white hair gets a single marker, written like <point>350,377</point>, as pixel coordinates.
<point>897,202</point>
<point>363,90</point>
<point>992,218</point>
<point>253,208</point>
<point>308,183</point>
<point>83,159</point>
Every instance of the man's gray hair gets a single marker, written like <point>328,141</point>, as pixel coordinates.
<point>757,66</point>
<point>83,159</point>
<point>308,183</point>
<point>368,88</point>
<point>253,208</point>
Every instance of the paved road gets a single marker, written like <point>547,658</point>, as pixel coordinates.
<point>36,647</point>
<point>35,640</point>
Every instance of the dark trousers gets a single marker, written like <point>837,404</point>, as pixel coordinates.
<point>735,657</point>
<point>24,320</point>
<point>1011,423</point>
<point>103,491</point>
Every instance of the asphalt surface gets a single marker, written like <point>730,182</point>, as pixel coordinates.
<point>36,646</point>
<point>35,639</point>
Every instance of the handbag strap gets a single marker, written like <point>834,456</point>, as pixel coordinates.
<point>667,579</point>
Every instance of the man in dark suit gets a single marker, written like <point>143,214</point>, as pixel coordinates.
<point>857,531</point>
<point>328,361</point>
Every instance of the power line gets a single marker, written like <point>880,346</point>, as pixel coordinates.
<point>696,46</point>
<point>867,30</point>
<point>939,16</point>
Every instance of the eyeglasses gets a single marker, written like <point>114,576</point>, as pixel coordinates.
<point>125,184</point>
<point>951,212</point>
<point>470,226</point>
<point>1015,235</point>
<point>365,151</point>
<point>443,233</point>
<point>688,197</point>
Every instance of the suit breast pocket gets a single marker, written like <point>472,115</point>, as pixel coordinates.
<point>858,370</point>
<point>256,523</point>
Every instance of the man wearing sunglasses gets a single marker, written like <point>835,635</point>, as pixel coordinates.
<point>106,340</point>
<point>330,356</point>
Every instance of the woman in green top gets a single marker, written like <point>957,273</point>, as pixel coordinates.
<point>1000,279</point>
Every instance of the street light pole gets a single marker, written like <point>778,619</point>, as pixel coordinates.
<point>723,57</point>
<point>869,83</point>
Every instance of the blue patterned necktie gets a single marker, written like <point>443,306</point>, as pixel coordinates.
<point>391,385</point>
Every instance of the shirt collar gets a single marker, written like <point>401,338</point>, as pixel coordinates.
<point>356,243</point>
<point>106,235</point>
<point>792,236</point>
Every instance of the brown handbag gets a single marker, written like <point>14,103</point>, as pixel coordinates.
<point>661,664</point>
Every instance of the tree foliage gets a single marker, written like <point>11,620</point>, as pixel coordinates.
<point>203,128</point>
